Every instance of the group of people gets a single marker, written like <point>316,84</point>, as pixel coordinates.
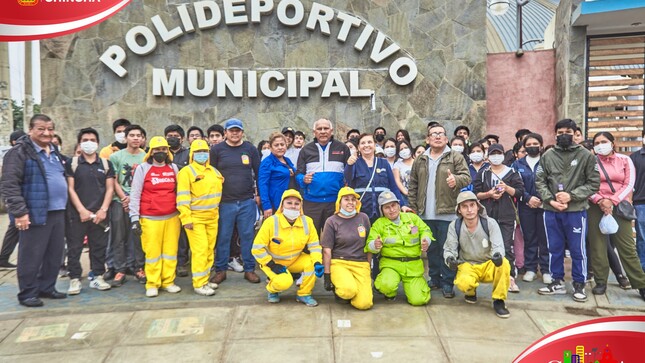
<point>359,214</point>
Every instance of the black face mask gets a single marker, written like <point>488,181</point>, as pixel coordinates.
<point>354,139</point>
<point>564,141</point>
<point>533,150</point>
<point>160,156</point>
<point>379,137</point>
<point>173,142</point>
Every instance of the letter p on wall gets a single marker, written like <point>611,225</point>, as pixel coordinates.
<point>113,58</point>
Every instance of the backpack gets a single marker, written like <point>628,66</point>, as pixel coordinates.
<point>482,220</point>
<point>106,167</point>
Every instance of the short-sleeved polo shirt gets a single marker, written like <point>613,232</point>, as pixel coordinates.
<point>89,182</point>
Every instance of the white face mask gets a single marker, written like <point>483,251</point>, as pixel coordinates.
<point>291,214</point>
<point>89,147</point>
<point>476,157</point>
<point>603,149</point>
<point>352,152</point>
<point>120,137</point>
<point>389,152</point>
<point>405,154</point>
<point>496,159</point>
<point>265,153</point>
<point>458,148</point>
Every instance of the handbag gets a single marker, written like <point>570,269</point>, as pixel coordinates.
<point>625,209</point>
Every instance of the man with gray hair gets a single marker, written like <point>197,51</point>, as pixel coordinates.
<point>321,164</point>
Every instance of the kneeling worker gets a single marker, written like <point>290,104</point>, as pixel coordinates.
<point>475,249</point>
<point>400,238</point>
<point>279,249</point>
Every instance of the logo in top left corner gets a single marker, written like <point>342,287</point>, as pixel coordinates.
<point>27,2</point>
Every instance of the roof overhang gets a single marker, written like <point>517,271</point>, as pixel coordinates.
<point>610,16</point>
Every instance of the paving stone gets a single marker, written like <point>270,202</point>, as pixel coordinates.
<point>389,349</point>
<point>389,319</point>
<point>171,353</point>
<point>80,356</point>
<point>482,350</point>
<point>251,322</point>
<point>280,350</point>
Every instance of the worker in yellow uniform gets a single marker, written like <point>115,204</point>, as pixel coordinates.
<point>279,249</point>
<point>199,191</point>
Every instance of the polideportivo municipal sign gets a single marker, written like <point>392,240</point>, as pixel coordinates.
<point>142,40</point>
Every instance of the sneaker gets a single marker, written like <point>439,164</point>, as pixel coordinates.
<point>471,299</point>
<point>99,284</point>
<point>7,266</point>
<point>109,274</point>
<point>63,272</point>
<point>212,285</point>
<point>173,289</point>
<point>390,298</point>
<point>307,300</point>
<point>599,289</point>
<point>118,281</point>
<point>500,309</point>
<point>273,297</point>
<point>554,288</point>
<point>547,278</point>
<point>579,294</point>
<point>140,275</point>
<point>448,292</point>
<point>182,270</point>
<point>512,287</point>
<point>623,282</point>
<point>74,287</point>
<point>529,276</point>
<point>204,291</point>
<point>152,292</point>
<point>235,265</point>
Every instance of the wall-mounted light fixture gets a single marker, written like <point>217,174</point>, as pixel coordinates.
<point>500,7</point>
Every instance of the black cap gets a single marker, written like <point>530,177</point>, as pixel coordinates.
<point>288,129</point>
<point>16,135</point>
<point>495,147</point>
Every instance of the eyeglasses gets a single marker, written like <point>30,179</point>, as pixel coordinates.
<point>437,134</point>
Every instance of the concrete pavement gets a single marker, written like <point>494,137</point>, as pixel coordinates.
<point>237,325</point>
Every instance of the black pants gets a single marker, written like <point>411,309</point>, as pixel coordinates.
<point>39,255</point>
<point>121,234</point>
<point>183,249</point>
<point>508,235</point>
<point>9,242</point>
<point>536,251</point>
<point>319,212</point>
<point>97,240</point>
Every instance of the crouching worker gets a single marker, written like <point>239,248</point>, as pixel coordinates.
<point>347,270</point>
<point>279,249</point>
<point>400,238</point>
<point>199,191</point>
<point>475,249</point>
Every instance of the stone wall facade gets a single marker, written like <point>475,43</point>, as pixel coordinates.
<point>446,38</point>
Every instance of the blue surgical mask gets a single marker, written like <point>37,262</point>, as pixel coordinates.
<point>200,157</point>
<point>346,213</point>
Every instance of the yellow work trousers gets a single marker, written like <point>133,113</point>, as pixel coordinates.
<point>160,239</point>
<point>281,282</point>
<point>202,244</point>
<point>469,276</point>
<point>353,282</point>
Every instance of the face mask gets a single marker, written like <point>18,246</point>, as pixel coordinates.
<point>354,139</point>
<point>348,214</point>
<point>265,153</point>
<point>533,150</point>
<point>379,137</point>
<point>476,157</point>
<point>352,152</point>
<point>160,156</point>
<point>120,137</point>
<point>200,157</point>
<point>405,154</point>
<point>458,148</point>
<point>173,142</point>
<point>564,141</point>
<point>496,159</point>
<point>603,149</point>
<point>389,152</point>
<point>291,214</point>
<point>89,147</point>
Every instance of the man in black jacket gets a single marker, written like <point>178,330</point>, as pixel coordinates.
<point>638,158</point>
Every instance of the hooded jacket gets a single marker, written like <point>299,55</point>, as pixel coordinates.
<point>502,209</point>
<point>199,189</point>
<point>282,242</point>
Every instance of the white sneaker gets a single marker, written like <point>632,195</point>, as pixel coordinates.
<point>235,265</point>
<point>212,285</point>
<point>173,289</point>
<point>74,287</point>
<point>529,276</point>
<point>204,291</point>
<point>99,284</point>
<point>512,287</point>
<point>152,292</point>
<point>546,278</point>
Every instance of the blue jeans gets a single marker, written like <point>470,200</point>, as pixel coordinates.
<point>640,233</point>
<point>440,274</point>
<point>243,212</point>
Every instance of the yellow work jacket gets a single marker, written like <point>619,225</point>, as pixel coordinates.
<point>281,242</point>
<point>199,191</point>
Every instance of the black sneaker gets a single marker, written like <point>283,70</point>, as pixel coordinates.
<point>554,288</point>
<point>500,309</point>
<point>599,289</point>
<point>471,299</point>
<point>623,282</point>
<point>109,274</point>
<point>579,294</point>
<point>448,292</point>
<point>6,265</point>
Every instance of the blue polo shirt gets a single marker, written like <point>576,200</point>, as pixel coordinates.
<point>55,176</point>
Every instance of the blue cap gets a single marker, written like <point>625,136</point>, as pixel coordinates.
<point>233,123</point>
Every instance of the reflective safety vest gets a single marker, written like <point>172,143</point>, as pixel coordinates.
<point>279,241</point>
<point>198,193</point>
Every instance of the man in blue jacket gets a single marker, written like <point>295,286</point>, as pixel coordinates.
<point>34,189</point>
